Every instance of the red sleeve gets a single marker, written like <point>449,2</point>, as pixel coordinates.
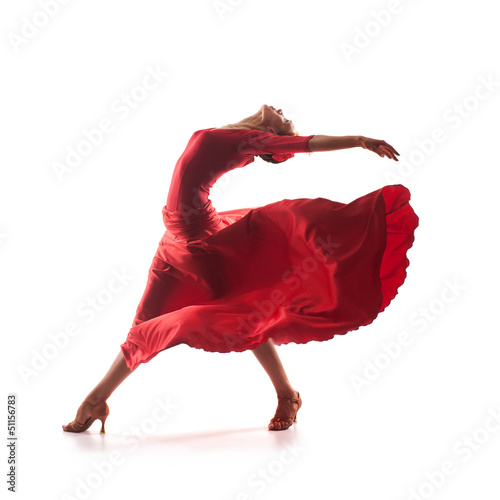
<point>256,142</point>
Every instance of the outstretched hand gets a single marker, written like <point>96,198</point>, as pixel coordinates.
<point>379,147</point>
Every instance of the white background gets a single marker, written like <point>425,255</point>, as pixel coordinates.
<point>61,240</point>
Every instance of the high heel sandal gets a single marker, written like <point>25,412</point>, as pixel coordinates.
<point>100,411</point>
<point>289,420</point>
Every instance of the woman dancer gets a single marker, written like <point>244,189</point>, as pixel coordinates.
<point>249,279</point>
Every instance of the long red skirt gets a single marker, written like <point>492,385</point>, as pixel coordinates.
<point>294,271</point>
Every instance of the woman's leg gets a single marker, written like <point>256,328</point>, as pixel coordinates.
<point>159,297</point>
<point>116,374</point>
<point>270,361</point>
<point>268,357</point>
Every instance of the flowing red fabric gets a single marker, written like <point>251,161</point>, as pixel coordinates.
<point>295,271</point>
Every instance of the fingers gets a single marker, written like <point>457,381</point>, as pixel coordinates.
<point>382,149</point>
<point>388,151</point>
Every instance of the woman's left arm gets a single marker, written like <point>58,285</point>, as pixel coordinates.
<point>332,143</point>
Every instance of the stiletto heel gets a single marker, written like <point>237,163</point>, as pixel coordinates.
<point>99,411</point>
<point>103,419</point>
<point>289,420</point>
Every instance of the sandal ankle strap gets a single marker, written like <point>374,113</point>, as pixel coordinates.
<point>294,400</point>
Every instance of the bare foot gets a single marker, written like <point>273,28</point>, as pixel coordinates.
<point>285,413</point>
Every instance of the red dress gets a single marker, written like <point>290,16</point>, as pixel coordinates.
<point>294,270</point>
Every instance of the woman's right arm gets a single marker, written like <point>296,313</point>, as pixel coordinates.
<point>332,143</point>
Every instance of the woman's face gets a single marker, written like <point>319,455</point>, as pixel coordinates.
<point>274,118</point>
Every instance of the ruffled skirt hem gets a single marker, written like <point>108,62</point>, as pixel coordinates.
<point>295,271</point>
